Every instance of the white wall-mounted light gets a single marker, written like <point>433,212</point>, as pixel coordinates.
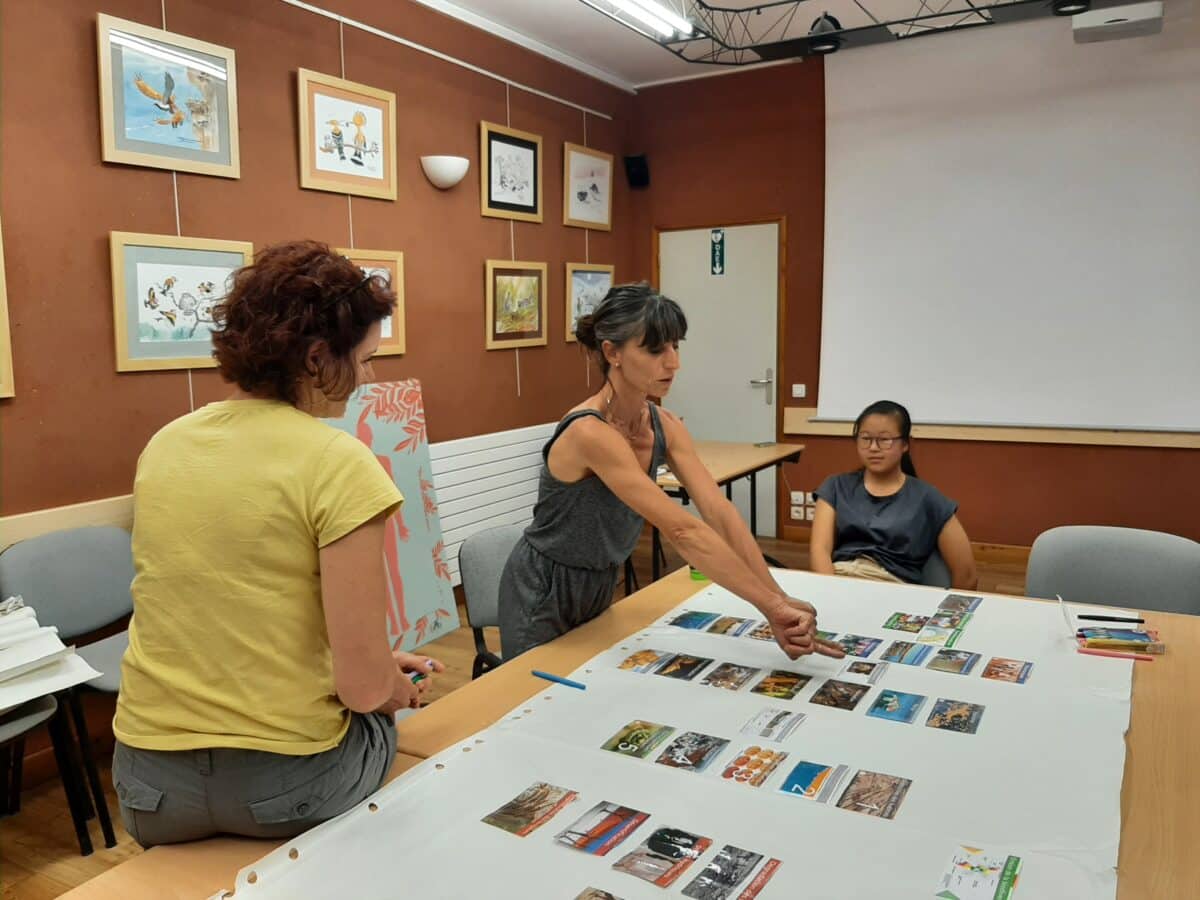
<point>445,171</point>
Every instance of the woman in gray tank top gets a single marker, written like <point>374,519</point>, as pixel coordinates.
<point>597,487</point>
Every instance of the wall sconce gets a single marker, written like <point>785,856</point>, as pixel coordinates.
<point>445,171</point>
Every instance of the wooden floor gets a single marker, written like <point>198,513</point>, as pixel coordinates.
<point>40,859</point>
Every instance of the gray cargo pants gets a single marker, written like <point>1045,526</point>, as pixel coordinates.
<point>186,795</point>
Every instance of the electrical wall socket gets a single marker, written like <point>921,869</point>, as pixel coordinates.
<point>812,498</point>
<point>799,391</point>
<point>798,513</point>
<point>810,513</point>
<point>797,498</point>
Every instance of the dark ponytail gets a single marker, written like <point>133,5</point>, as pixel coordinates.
<point>903,425</point>
<point>631,311</point>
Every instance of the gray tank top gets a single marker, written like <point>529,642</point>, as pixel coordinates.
<point>583,524</point>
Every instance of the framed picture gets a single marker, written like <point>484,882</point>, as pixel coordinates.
<point>516,304</point>
<point>389,265</point>
<point>510,173</point>
<point>166,100</point>
<point>587,188</point>
<point>6,363</point>
<point>347,137</point>
<point>164,289</point>
<point>586,286</point>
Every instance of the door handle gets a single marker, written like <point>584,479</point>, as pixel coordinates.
<point>770,379</point>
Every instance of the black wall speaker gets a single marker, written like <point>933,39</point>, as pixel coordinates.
<point>637,170</point>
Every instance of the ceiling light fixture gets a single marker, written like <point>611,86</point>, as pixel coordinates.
<point>646,18</point>
<point>822,37</point>
<point>672,18</point>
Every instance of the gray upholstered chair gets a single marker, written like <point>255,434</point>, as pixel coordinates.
<point>1116,567</point>
<point>481,560</point>
<point>78,580</point>
<point>935,572</point>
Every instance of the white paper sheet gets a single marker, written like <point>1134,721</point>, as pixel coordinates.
<point>40,648</point>
<point>66,672</point>
<point>1041,779</point>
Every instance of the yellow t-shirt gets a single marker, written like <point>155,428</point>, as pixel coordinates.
<point>228,645</point>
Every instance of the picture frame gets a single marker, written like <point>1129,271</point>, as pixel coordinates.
<point>347,136</point>
<point>586,285</point>
<point>510,173</point>
<point>587,187</point>
<point>167,101</point>
<point>516,304</point>
<point>164,288</point>
<point>7,387</point>
<point>389,264</point>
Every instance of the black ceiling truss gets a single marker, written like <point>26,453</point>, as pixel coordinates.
<point>779,29</point>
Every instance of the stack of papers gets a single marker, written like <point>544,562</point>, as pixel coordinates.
<point>33,661</point>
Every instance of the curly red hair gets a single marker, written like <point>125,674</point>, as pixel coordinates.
<point>293,295</point>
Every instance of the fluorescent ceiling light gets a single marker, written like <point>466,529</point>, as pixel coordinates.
<point>646,18</point>
<point>172,56</point>
<point>676,21</point>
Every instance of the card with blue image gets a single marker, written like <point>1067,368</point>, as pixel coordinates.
<point>897,706</point>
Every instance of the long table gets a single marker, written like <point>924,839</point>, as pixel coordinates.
<point>1160,800</point>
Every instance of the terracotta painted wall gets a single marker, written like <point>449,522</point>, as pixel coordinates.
<point>75,428</point>
<point>751,145</point>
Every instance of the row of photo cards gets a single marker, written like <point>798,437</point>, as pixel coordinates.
<point>782,684</point>
<point>753,765</point>
<point>662,856</point>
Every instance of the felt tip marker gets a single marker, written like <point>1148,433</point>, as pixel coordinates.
<point>558,679</point>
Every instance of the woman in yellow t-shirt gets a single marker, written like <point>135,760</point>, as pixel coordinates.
<point>258,692</point>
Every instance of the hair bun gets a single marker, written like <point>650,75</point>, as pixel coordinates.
<point>585,331</point>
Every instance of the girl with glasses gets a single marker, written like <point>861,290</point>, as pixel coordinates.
<point>882,522</point>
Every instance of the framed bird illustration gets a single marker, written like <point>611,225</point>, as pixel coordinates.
<point>165,289</point>
<point>166,100</point>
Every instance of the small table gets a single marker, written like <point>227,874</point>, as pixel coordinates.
<point>727,463</point>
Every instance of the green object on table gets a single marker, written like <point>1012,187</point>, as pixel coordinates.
<point>696,574</point>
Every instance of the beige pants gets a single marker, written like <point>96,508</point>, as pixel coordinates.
<point>865,567</point>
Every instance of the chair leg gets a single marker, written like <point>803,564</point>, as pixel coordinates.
<point>14,796</point>
<point>477,667</point>
<point>5,777</point>
<point>60,738</point>
<point>89,765</point>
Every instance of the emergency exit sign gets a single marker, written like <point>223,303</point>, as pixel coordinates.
<point>718,251</point>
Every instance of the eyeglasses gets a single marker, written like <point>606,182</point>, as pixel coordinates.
<point>884,443</point>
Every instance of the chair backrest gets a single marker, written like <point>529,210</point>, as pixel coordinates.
<point>77,580</point>
<point>1116,566</point>
<point>935,572</point>
<point>481,561</point>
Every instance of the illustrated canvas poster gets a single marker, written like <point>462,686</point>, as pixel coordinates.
<point>587,200</point>
<point>177,300</point>
<point>169,103</point>
<point>389,417</point>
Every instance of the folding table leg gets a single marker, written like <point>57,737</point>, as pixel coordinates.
<point>60,739</point>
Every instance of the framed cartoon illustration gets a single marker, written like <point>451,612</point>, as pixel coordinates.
<point>166,100</point>
<point>586,286</point>
<point>510,173</point>
<point>347,137</point>
<point>587,188</point>
<point>389,265</point>
<point>6,363</point>
<point>164,291</point>
<point>516,304</point>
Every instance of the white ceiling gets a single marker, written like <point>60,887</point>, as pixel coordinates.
<point>576,34</point>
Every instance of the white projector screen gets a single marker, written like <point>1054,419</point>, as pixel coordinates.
<point>1012,228</point>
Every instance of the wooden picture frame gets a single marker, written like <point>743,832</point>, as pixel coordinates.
<point>164,288</point>
<point>166,101</point>
<point>583,292</point>
<point>347,136</point>
<point>7,387</point>
<point>510,173</point>
<point>587,187</point>
<point>516,304</point>
<point>390,264</point>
